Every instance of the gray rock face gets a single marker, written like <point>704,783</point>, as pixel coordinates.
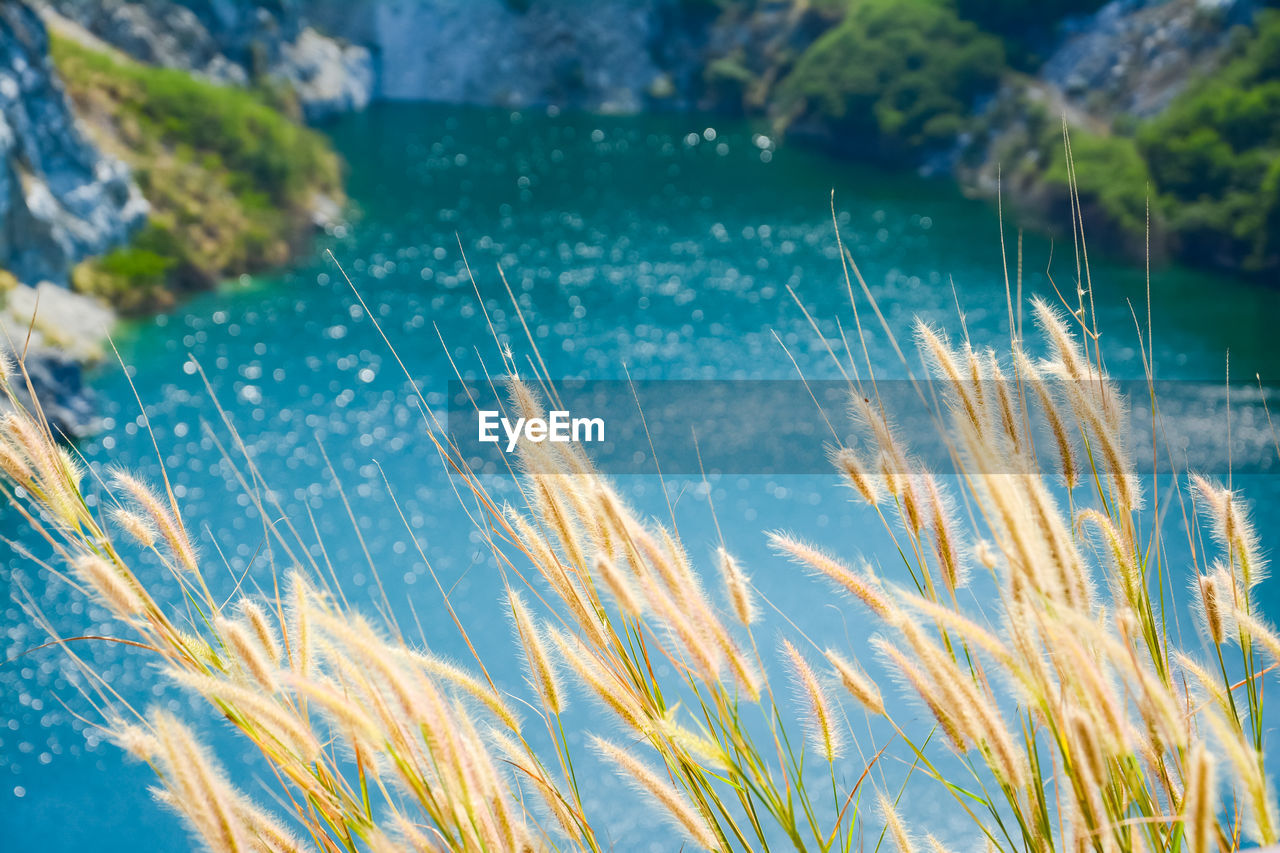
<point>232,41</point>
<point>610,55</point>
<point>599,56</point>
<point>157,32</point>
<point>60,199</point>
<point>59,331</point>
<point>215,38</point>
<point>58,380</point>
<point>329,78</point>
<point>1134,56</point>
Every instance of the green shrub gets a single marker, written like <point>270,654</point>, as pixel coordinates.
<point>230,179</point>
<point>135,277</point>
<point>1215,156</point>
<point>1111,179</point>
<point>893,78</point>
<point>262,147</point>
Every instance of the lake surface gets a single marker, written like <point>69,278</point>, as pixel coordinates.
<point>665,244</point>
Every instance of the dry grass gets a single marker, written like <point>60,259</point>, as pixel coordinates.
<point>1077,722</point>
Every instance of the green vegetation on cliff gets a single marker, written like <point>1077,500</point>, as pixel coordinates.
<point>902,80</point>
<point>893,78</point>
<point>1111,180</point>
<point>1215,157</point>
<point>231,179</point>
<point>1209,165</point>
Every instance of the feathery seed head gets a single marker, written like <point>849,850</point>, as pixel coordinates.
<point>911,673</point>
<point>468,684</point>
<point>345,712</point>
<point>868,485</point>
<point>945,534</point>
<point>857,682</point>
<point>543,675</point>
<point>675,804</point>
<point>960,378</point>
<point>118,592</point>
<point>1260,632</point>
<point>261,713</point>
<point>135,740</point>
<point>738,587</point>
<point>607,688</point>
<point>1068,466</point>
<point>263,629</point>
<point>824,732</point>
<point>985,553</point>
<point>14,464</point>
<point>140,529</point>
<point>1199,805</point>
<point>619,586</point>
<point>1210,609</point>
<point>935,845</point>
<point>245,649</point>
<point>1233,529</point>
<point>894,826</point>
<point>200,791</point>
<point>865,589</point>
<point>162,517</point>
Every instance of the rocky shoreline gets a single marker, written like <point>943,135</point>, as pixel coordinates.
<point>56,332</point>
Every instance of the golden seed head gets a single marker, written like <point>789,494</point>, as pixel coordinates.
<point>1199,805</point>
<point>620,587</point>
<point>864,588</point>
<point>857,682</point>
<point>985,553</point>
<point>850,464</point>
<point>14,464</point>
<point>118,592</point>
<point>543,674</point>
<point>140,529</point>
<point>896,829</point>
<point>1210,609</point>
<point>738,588</point>
<point>162,516</point>
<point>955,573</point>
<point>239,641</point>
<point>263,630</point>
<point>135,740</point>
<point>675,804</point>
<point>824,731</point>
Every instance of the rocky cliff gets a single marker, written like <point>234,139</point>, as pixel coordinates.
<point>60,199</point>
<point>1113,76</point>
<point>70,212</point>
<point>1133,57</point>
<point>235,42</point>
<point>612,56</point>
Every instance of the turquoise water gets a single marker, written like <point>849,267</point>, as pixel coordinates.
<point>662,243</point>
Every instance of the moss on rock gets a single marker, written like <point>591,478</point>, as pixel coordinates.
<point>231,179</point>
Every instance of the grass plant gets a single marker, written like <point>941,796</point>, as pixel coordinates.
<point>1077,721</point>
